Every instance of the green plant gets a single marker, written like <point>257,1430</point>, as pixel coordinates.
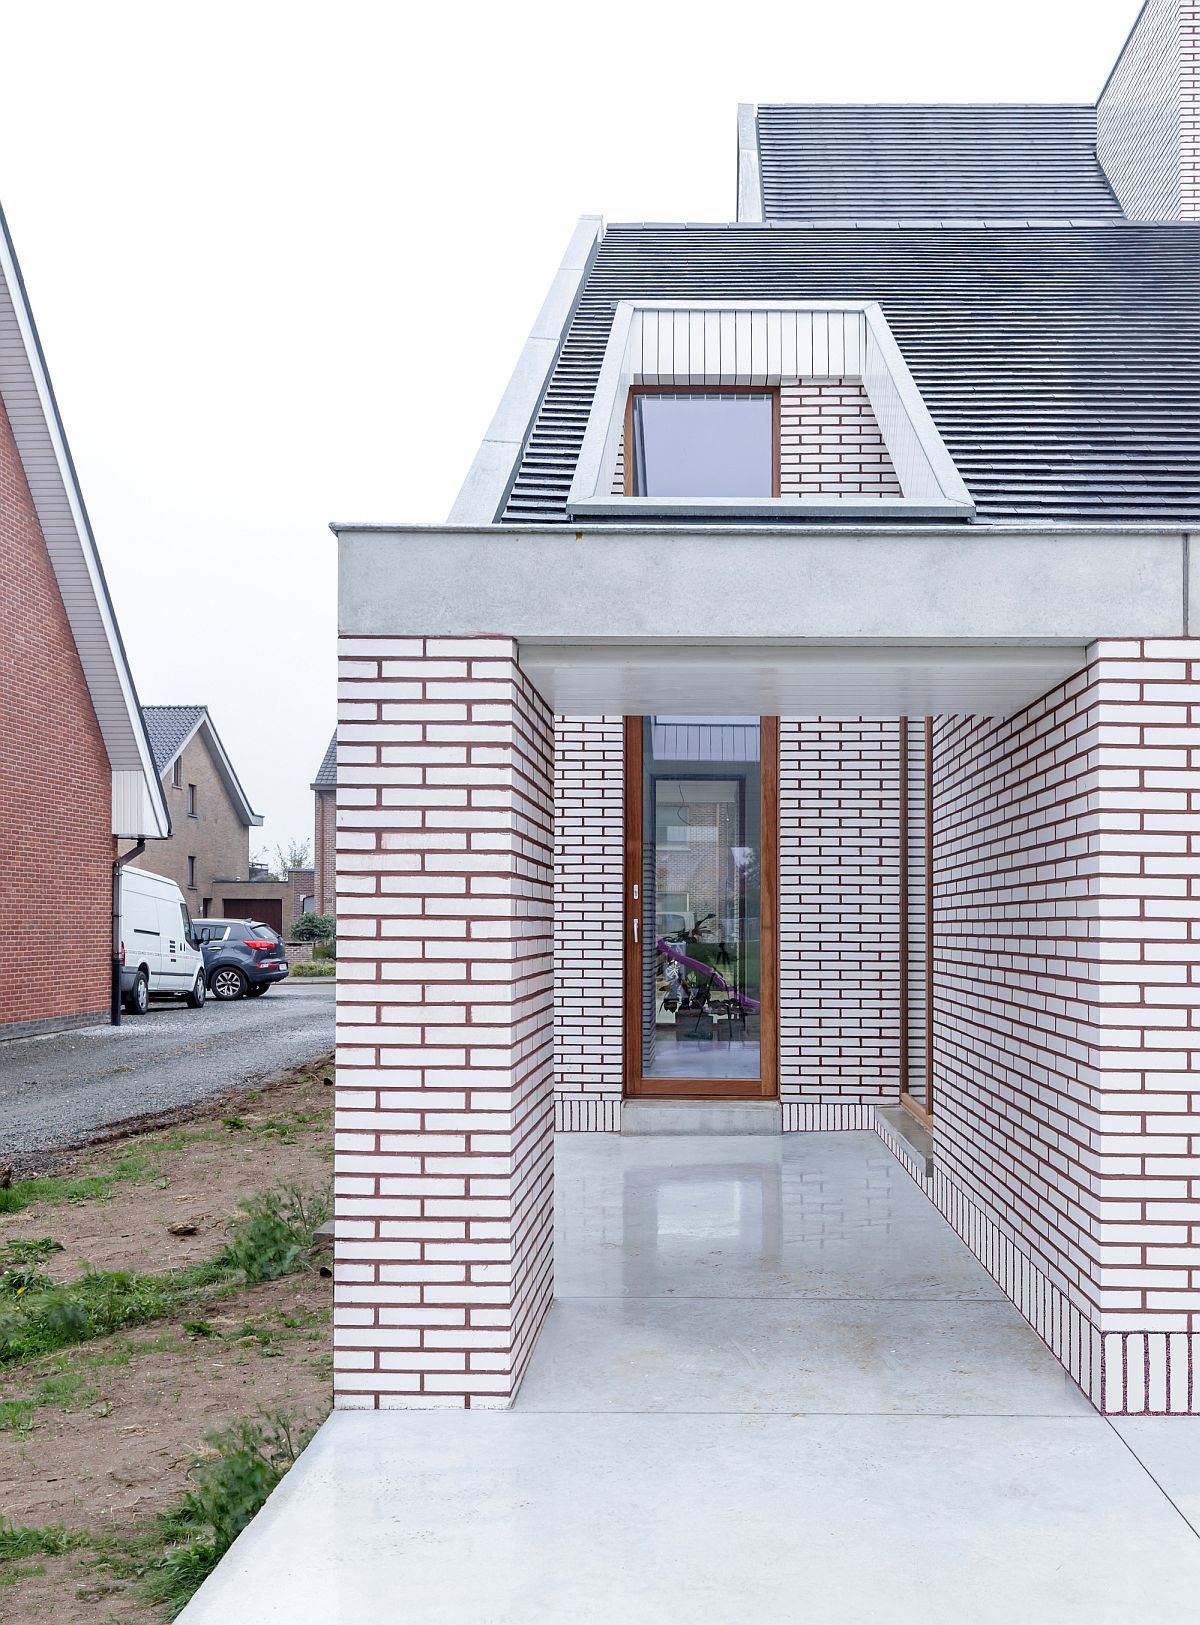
<point>231,1484</point>
<point>310,927</point>
<point>19,1542</point>
<point>274,1231</point>
<point>318,967</point>
<point>325,950</point>
<point>52,1190</point>
<point>18,1266</point>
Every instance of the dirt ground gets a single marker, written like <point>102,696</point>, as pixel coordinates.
<point>101,1434</point>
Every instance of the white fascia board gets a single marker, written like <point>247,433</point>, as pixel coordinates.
<point>46,459</point>
<point>491,474</point>
<point>224,767</point>
<point>938,492</point>
<point>749,179</point>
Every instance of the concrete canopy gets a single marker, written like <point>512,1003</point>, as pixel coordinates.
<point>847,622</point>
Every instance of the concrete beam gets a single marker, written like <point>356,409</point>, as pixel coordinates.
<point>742,584</point>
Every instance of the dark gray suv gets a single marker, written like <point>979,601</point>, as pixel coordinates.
<point>241,957</point>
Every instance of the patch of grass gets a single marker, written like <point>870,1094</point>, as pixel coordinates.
<point>19,1262</point>
<point>315,967</point>
<point>51,1190</point>
<point>246,1462</point>
<point>21,1542</point>
<point>271,1238</point>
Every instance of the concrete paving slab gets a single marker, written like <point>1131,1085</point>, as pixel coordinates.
<point>840,1358</point>
<point>1169,1449</point>
<point>521,1519</point>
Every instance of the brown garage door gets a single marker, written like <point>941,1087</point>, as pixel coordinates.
<point>267,909</point>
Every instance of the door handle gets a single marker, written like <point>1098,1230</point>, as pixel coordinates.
<point>635,930</point>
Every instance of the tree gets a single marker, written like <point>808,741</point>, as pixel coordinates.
<point>295,855</point>
<point>312,927</point>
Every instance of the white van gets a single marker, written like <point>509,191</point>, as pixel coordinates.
<point>159,955</point>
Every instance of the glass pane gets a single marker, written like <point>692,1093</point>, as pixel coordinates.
<point>698,445</point>
<point>700,898</point>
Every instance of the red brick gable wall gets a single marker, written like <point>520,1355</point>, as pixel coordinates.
<point>56,845</point>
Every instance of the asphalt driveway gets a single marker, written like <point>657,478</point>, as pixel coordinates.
<point>59,1090</point>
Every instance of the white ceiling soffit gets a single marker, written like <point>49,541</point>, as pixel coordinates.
<point>798,680</point>
<point>139,807</point>
<point>756,344</point>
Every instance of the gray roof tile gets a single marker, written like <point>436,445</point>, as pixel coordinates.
<point>169,728</point>
<point>1002,162</point>
<point>326,778</point>
<point>1061,365</point>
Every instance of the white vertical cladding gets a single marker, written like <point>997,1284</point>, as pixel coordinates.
<point>132,814</point>
<point>1148,115</point>
<point>741,345</point>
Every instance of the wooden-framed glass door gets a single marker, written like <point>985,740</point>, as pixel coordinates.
<point>701,905</point>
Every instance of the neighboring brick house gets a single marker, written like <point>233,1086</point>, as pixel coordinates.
<point>211,816</point>
<point>799,712</point>
<point>324,788</point>
<point>77,773</point>
<point>208,855</point>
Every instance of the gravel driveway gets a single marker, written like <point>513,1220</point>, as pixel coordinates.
<point>59,1090</point>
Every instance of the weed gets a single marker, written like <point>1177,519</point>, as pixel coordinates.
<point>233,1122</point>
<point>19,1542</point>
<point>16,1415</point>
<point>275,1231</point>
<point>246,1462</point>
<point>197,1328</point>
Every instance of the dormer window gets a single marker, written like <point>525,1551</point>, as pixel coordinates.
<point>702,443</point>
<point>739,410</point>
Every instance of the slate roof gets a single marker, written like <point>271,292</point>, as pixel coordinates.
<point>931,162</point>
<point>326,778</point>
<point>1061,365</point>
<point>170,727</point>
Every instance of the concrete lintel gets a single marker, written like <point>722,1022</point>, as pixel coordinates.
<point>856,585</point>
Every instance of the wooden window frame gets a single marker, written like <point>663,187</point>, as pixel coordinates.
<point>773,390</point>
<point>766,1085</point>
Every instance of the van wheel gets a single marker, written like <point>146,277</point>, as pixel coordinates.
<point>195,999</point>
<point>137,1000</point>
<point>228,983</point>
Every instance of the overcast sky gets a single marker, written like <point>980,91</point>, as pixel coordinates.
<point>283,257</point>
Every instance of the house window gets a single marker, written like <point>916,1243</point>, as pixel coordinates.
<point>177,772</point>
<point>704,443</point>
<point>191,874</point>
<point>191,801</point>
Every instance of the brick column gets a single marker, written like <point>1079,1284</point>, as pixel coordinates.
<point>444,1173</point>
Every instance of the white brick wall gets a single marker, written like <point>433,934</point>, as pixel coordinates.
<point>589,858</point>
<point>829,441</point>
<point>1148,117</point>
<point>1067,882</point>
<point>839,937</point>
<point>444,1100</point>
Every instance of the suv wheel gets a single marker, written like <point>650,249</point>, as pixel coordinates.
<point>228,983</point>
<point>137,1000</point>
<point>195,999</point>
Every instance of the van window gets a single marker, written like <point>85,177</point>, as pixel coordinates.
<point>189,934</point>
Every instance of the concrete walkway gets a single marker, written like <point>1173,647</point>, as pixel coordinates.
<point>775,1387</point>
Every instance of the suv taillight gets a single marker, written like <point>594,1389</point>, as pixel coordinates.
<point>257,942</point>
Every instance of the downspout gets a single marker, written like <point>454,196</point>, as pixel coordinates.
<point>114,1014</point>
